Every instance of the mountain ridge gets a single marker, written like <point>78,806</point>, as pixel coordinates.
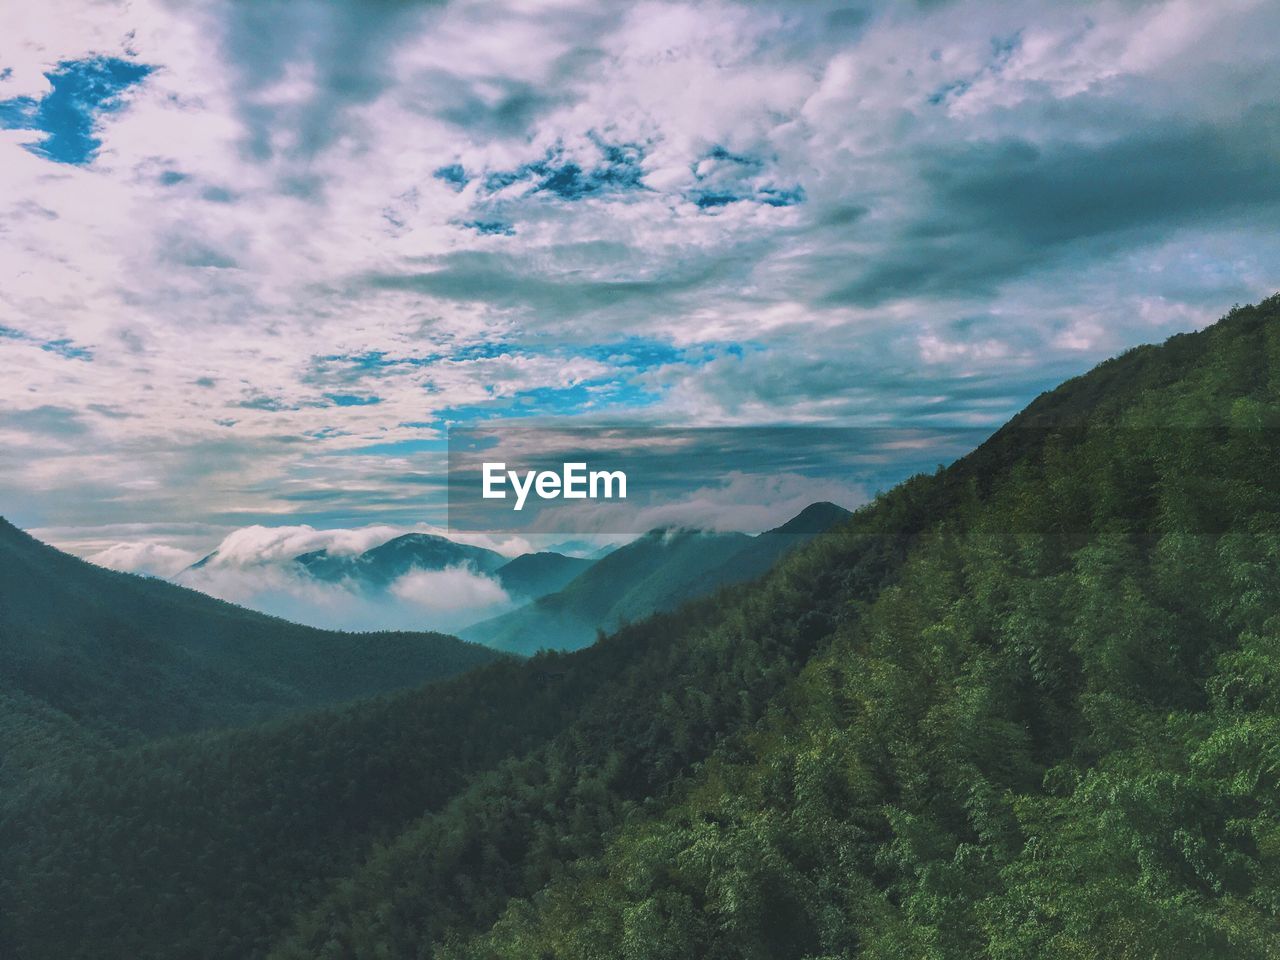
<point>654,573</point>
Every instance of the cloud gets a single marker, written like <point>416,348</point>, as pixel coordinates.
<point>254,567</point>
<point>258,256</point>
<point>450,591</point>
<point>152,559</point>
<point>446,601</point>
<point>997,208</point>
<point>259,545</point>
<point>47,420</point>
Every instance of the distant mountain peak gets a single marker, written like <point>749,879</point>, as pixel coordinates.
<point>815,518</point>
<point>408,539</point>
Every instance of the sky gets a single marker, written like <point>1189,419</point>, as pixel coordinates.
<point>255,258</point>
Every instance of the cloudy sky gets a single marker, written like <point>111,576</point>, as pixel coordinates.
<point>254,257</point>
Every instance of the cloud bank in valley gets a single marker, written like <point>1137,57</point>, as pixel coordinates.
<point>255,567</point>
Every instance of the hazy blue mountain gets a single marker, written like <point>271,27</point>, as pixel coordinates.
<point>113,657</point>
<point>583,548</point>
<point>654,573</point>
<point>384,564</point>
<point>533,575</point>
<point>526,577</point>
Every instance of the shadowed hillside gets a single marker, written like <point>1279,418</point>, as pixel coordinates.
<point>88,653</point>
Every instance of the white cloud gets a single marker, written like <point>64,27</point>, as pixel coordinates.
<point>446,602</point>
<point>258,545</point>
<point>254,567</point>
<point>255,545</point>
<point>450,591</point>
<point>154,559</point>
<point>262,232</point>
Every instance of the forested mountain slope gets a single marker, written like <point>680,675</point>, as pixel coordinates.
<point>629,584</point>
<point>1055,735</point>
<point>88,654</point>
<point>1024,707</point>
<point>654,573</point>
<point>208,847</point>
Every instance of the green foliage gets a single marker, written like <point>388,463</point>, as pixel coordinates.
<point>105,656</point>
<point>1052,736</point>
<point>1026,707</point>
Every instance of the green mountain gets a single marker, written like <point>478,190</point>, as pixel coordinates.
<point>653,574</point>
<point>534,575</point>
<point>91,656</point>
<point>760,554</point>
<point>528,576</point>
<point>1026,707</point>
<point>630,583</point>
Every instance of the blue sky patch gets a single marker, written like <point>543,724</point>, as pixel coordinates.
<point>82,90</point>
<point>955,87</point>
<point>351,400</point>
<point>63,347</point>
<point>641,354</point>
<point>769,196</point>
<point>721,153</point>
<point>491,228</point>
<point>712,199</point>
<point>617,169</point>
<point>724,177</point>
<point>780,196</point>
<point>452,174</point>
<point>620,391</point>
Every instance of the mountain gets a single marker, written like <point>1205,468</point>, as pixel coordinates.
<point>590,549</point>
<point>1026,706</point>
<point>525,578</point>
<point>88,654</point>
<point>533,575</point>
<point>762,552</point>
<point>814,519</point>
<point>654,573</point>
<point>382,565</point>
<point>649,574</point>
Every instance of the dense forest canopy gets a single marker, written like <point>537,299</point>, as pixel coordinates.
<point>1027,706</point>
